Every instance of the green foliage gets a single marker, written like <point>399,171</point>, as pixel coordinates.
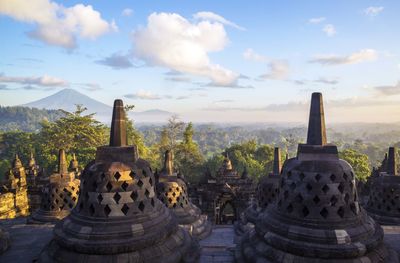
<point>25,118</point>
<point>75,133</point>
<point>358,161</point>
<point>188,157</point>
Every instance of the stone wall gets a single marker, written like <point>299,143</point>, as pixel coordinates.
<point>14,204</point>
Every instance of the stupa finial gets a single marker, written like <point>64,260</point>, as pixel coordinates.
<point>277,161</point>
<point>118,125</point>
<point>168,163</point>
<point>316,126</point>
<point>62,162</point>
<point>391,163</point>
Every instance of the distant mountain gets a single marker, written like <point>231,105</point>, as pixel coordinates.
<point>66,99</point>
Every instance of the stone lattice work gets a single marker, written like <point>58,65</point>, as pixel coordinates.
<point>118,217</point>
<point>172,191</point>
<point>58,196</point>
<point>316,217</point>
<point>384,197</point>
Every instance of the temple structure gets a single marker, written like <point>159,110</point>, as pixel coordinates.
<point>223,196</point>
<point>383,202</point>
<point>118,217</point>
<point>14,193</point>
<point>266,193</point>
<point>35,181</point>
<point>316,217</point>
<point>172,191</point>
<point>74,166</point>
<point>58,196</point>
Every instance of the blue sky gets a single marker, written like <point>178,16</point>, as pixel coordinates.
<point>210,60</point>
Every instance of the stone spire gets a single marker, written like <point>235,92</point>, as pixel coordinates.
<point>168,163</point>
<point>316,126</point>
<point>32,162</point>
<point>62,162</point>
<point>391,163</point>
<point>277,161</point>
<point>118,125</point>
<point>73,165</point>
<point>16,162</point>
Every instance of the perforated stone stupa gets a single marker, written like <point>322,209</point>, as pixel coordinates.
<point>59,196</point>
<point>384,198</point>
<point>172,191</point>
<point>118,217</point>
<point>317,217</point>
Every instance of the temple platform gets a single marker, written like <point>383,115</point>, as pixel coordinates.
<point>28,240</point>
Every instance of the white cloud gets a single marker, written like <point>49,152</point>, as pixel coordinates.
<point>143,95</point>
<point>56,24</point>
<point>389,90</point>
<point>169,40</point>
<point>373,10</point>
<point>329,30</point>
<point>127,12</point>
<point>45,80</point>
<point>250,54</point>
<point>316,20</point>
<point>363,55</point>
<point>210,16</point>
<point>279,70</point>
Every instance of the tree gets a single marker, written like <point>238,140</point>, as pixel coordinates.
<point>188,156</point>
<point>77,133</point>
<point>134,137</point>
<point>358,161</point>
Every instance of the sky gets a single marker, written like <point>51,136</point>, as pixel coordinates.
<point>208,61</point>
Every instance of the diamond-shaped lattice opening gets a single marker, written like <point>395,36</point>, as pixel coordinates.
<point>301,176</point>
<point>318,177</point>
<point>324,213</point>
<point>289,209</point>
<point>340,211</point>
<point>341,187</point>
<point>308,187</point>
<point>99,198</point>
<point>109,187</point>
<point>286,194</point>
<point>141,206</point>
<point>347,198</point>
<point>140,183</point>
<point>152,202</point>
<point>91,209</point>
<point>333,177</point>
<point>316,199</point>
<point>57,201</point>
<point>147,193</point>
<point>65,200</point>
<point>124,185</point>
<point>132,174</point>
<point>325,189</point>
<point>292,186</point>
<point>305,211</point>
<point>144,172</point>
<point>103,175</point>
<point>117,175</point>
<point>299,198</point>
<point>174,206</point>
<point>150,181</point>
<point>117,197</point>
<point>173,194</point>
<point>170,200</point>
<point>333,200</point>
<point>345,176</point>
<point>107,210</point>
<point>125,209</point>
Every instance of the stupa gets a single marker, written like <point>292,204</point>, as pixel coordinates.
<point>172,191</point>
<point>74,166</point>
<point>59,195</point>
<point>316,217</point>
<point>383,202</point>
<point>35,184</point>
<point>118,217</point>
